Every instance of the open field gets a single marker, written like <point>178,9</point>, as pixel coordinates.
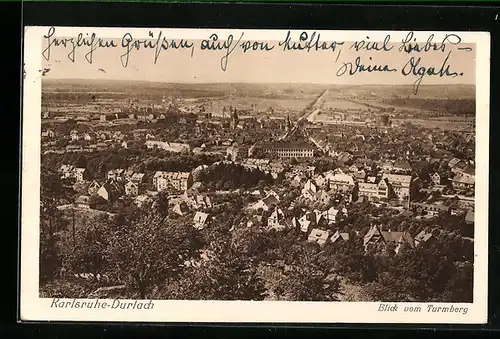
<point>448,125</point>
<point>339,104</point>
<point>378,92</point>
<point>157,90</point>
<point>251,89</point>
<point>259,98</point>
<point>279,106</point>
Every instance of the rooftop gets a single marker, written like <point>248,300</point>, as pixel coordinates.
<point>286,145</point>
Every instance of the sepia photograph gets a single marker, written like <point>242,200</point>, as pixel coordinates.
<point>276,171</point>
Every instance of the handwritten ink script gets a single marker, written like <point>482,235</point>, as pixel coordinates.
<point>367,57</point>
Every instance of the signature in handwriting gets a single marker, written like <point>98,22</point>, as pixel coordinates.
<point>414,67</point>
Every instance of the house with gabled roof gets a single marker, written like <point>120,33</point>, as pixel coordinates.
<point>48,134</point>
<point>200,220</point>
<point>131,188</point>
<point>430,209</point>
<point>469,217</point>
<point>118,135</point>
<point>344,157</point>
<point>81,174</point>
<point>401,166</point>
<point>374,190</point>
<point>74,135</point>
<point>128,174</point>
<point>330,215</point>
<point>266,204</point>
<point>422,238</point>
<point>339,237</point>
<point>354,168</point>
<point>142,199</point>
<point>400,184</point>
<point>339,181</point>
<point>196,201</point>
<point>363,163</point>
<point>66,170</point>
<point>323,197</point>
<point>93,187</point>
<point>276,220</point>
<point>110,191</point>
<point>137,178</point>
<point>309,195</point>
<point>309,186</point>
<point>453,162</point>
<point>318,236</point>
<point>308,220</point>
<point>321,181</point>
<point>466,171</point>
<point>376,236</point>
<point>359,176</point>
<point>460,181</point>
<point>203,201</point>
<point>116,174</point>
<point>298,179</point>
<point>388,166</point>
<point>180,208</point>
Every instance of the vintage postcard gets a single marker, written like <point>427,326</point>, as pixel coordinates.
<point>254,176</point>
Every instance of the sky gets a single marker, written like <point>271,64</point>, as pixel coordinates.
<point>275,66</point>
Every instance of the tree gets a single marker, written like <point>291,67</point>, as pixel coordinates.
<point>161,204</point>
<point>53,192</point>
<point>149,252</point>
<point>226,274</point>
<point>86,252</point>
<point>461,286</point>
<point>50,260</point>
<point>307,277</point>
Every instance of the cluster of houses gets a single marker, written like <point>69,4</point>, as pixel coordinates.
<point>190,201</point>
<point>384,185</point>
<point>376,236</point>
<point>317,226</point>
<point>464,174</point>
<point>101,135</point>
<point>87,141</point>
<point>117,182</point>
<point>274,168</point>
<point>79,174</point>
<point>121,182</point>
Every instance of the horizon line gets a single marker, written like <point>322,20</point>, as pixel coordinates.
<point>246,83</point>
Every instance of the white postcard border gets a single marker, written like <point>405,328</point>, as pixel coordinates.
<point>33,308</point>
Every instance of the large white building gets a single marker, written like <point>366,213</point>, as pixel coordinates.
<point>340,182</point>
<point>286,149</point>
<point>177,180</point>
<point>168,146</point>
<point>400,184</point>
<point>377,190</point>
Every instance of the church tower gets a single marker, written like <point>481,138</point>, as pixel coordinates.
<point>234,120</point>
<point>288,123</point>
